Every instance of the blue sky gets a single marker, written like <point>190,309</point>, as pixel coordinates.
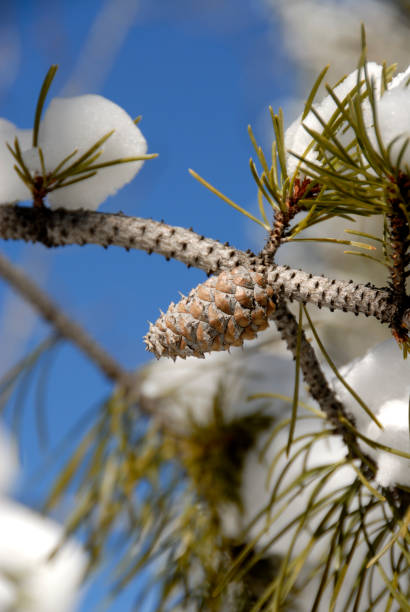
<point>198,72</point>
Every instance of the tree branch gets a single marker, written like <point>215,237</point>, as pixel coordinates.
<point>128,382</point>
<point>61,323</point>
<point>299,346</point>
<point>318,386</point>
<point>61,227</point>
<point>58,228</point>
<point>333,294</point>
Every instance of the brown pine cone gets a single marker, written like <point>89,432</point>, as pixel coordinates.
<point>222,312</point>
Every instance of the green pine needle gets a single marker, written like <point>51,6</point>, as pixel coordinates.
<point>41,99</point>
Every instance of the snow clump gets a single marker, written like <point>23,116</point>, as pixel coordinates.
<point>12,188</point>
<point>298,140</point>
<point>29,580</point>
<point>392,111</point>
<point>75,124</point>
<point>382,379</point>
<point>185,390</point>
<point>393,114</point>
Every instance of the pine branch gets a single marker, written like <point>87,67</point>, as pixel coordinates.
<point>80,227</point>
<point>333,294</point>
<point>67,328</point>
<point>318,386</point>
<point>397,250</point>
<point>61,227</point>
<point>301,348</point>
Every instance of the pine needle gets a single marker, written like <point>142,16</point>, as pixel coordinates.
<point>41,99</point>
<point>337,373</point>
<point>227,200</point>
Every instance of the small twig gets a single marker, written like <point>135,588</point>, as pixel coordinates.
<point>283,216</point>
<point>61,323</point>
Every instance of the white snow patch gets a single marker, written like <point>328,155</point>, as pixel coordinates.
<point>382,379</point>
<point>69,125</point>
<point>393,115</point>
<point>258,485</point>
<point>186,388</point>
<point>78,123</point>
<point>8,461</point>
<point>29,581</point>
<point>12,188</point>
<point>297,139</point>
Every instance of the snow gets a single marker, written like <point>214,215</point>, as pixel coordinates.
<point>297,139</point>
<point>382,380</point>
<point>12,188</point>
<point>78,123</point>
<point>8,461</point>
<point>257,487</point>
<point>29,581</point>
<point>186,389</point>
<point>331,33</point>
<point>393,112</point>
<point>74,124</point>
<point>258,484</point>
<point>394,417</point>
<point>401,80</point>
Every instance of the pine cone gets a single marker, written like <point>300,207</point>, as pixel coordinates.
<point>222,312</point>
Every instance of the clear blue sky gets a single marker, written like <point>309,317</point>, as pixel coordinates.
<point>198,72</point>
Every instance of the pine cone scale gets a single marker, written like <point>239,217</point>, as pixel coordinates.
<point>216,319</point>
<point>223,302</point>
<point>244,297</point>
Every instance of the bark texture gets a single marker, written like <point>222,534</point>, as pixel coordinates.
<point>60,228</point>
